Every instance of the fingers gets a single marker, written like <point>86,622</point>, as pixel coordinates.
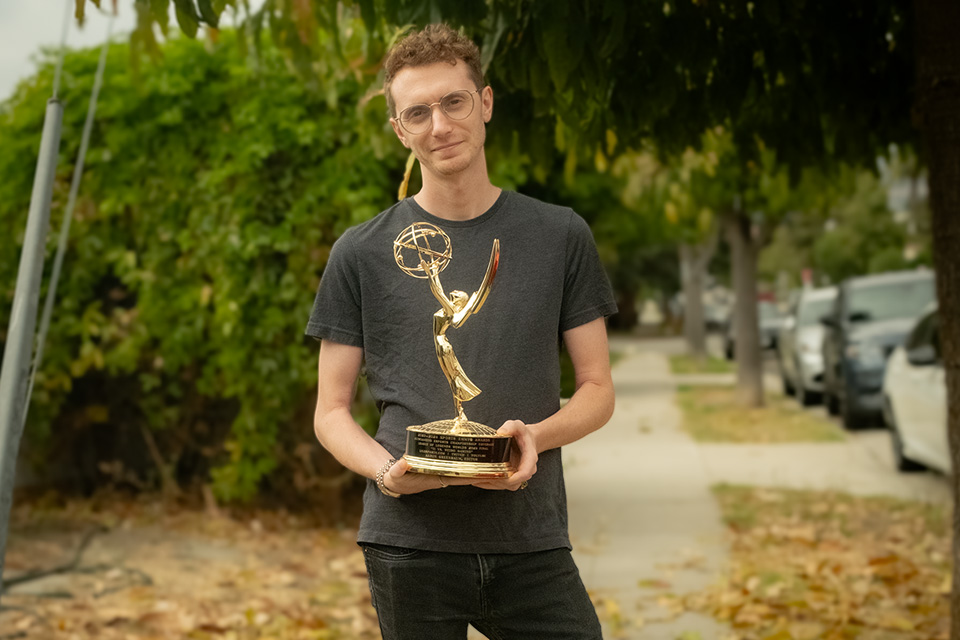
<point>401,480</point>
<point>523,458</point>
<point>399,468</point>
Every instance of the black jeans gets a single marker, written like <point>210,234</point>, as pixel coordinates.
<point>427,595</point>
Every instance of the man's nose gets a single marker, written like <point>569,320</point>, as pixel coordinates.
<point>441,122</point>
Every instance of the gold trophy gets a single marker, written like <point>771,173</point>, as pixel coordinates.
<point>457,447</point>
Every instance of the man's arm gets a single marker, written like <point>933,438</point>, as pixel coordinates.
<point>339,433</point>
<point>592,403</point>
<point>588,410</point>
<point>433,275</point>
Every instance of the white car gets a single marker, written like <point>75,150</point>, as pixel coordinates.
<point>915,399</point>
<point>800,345</point>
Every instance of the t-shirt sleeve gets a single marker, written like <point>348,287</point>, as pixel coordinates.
<point>587,294</point>
<point>336,309</point>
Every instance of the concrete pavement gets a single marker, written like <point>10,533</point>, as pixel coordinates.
<point>640,505</point>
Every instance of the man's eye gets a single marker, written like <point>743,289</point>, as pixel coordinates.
<point>416,113</point>
<point>455,102</point>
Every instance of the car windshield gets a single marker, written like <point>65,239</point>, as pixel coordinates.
<point>892,299</point>
<point>768,311</point>
<point>812,310</point>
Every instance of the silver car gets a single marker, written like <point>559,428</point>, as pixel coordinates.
<point>800,342</point>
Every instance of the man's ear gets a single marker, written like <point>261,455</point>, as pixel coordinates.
<point>486,100</point>
<point>399,131</point>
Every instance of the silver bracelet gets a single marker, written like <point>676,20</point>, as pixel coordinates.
<point>382,471</point>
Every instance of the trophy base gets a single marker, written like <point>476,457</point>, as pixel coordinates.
<point>467,450</point>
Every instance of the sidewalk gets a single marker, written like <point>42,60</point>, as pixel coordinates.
<point>641,511</point>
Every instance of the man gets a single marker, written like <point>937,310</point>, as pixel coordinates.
<point>445,552</point>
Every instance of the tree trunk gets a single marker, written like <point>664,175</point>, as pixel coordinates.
<point>626,318</point>
<point>693,274</point>
<point>669,322</point>
<point>938,110</point>
<point>744,252</point>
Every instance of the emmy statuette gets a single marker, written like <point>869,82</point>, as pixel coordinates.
<point>457,446</point>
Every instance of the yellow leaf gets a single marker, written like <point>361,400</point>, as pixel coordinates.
<point>97,413</point>
<point>652,583</point>
<point>402,193</point>
<point>559,139</point>
<point>205,292</point>
<point>894,621</point>
<point>570,165</point>
<point>600,161</point>
<point>670,210</point>
<point>611,141</point>
<point>705,220</point>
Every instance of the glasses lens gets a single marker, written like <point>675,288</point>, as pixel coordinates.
<point>416,119</point>
<point>457,105</point>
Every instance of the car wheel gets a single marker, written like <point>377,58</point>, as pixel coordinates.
<point>833,404</point>
<point>806,398</point>
<point>900,459</point>
<point>848,415</point>
<point>788,389</point>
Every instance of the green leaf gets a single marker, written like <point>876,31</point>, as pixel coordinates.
<point>188,23</point>
<point>369,13</point>
<point>492,39</point>
<point>208,13</point>
<point>160,12</point>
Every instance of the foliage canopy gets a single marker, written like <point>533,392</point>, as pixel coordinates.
<point>812,79</point>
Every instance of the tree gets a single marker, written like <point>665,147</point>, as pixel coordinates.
<point>670,191</point>
<point>843,227</point>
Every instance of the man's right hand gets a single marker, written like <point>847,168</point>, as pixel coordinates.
<point>400,479</point>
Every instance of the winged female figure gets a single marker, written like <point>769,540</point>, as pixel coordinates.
<point>455,308</point>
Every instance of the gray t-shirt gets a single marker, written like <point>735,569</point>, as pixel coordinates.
<point>549,280</point>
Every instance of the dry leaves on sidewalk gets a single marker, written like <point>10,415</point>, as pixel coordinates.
<point>808,565</point>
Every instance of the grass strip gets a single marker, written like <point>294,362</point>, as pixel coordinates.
<point>684,364</point>
<point>713,414</point>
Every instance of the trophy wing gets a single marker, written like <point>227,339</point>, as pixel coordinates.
<point>480,295</point>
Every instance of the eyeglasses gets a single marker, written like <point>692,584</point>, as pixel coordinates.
<point>457,105</point>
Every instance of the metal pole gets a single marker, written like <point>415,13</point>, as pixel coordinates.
<point>68,216</point>
<point>23,315</point>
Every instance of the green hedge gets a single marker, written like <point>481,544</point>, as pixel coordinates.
<point>213,190</point>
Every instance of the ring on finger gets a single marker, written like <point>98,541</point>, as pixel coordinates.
<point>523,485</point>
<point>442,483</point>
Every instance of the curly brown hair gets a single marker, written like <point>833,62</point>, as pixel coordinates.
<point>435,43</point>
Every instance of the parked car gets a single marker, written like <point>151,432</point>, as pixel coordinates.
<point>800,345</point>
<point>870,317</point>
<point>770,320</point>
<point>915,399</point>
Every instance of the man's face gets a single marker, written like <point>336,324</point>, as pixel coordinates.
<point>449,146</point>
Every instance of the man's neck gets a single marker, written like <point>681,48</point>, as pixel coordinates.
<point>457,198</point>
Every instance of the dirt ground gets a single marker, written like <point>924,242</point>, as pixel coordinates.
<point>138,569</point>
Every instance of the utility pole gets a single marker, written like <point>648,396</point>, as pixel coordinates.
<point>23,315</point>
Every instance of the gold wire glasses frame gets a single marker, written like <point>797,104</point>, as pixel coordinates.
<point>456,105</point>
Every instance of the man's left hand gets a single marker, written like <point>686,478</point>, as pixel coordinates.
<point>523,458</point>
